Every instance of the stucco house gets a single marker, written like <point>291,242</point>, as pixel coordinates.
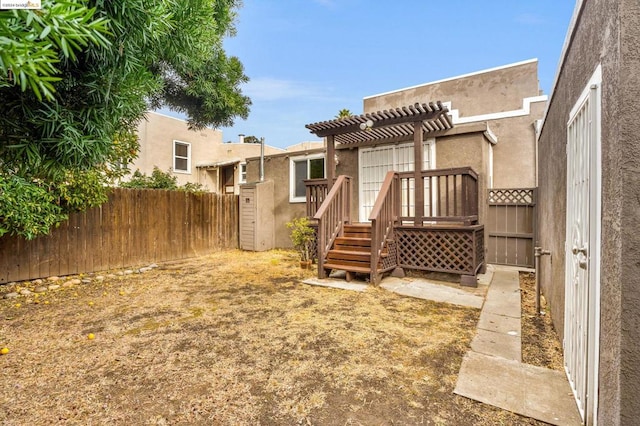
<point>589,214</point>
<point>193,156</point>
<point>485,121</point>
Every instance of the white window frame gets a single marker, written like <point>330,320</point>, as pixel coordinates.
<point>428,158</point>
<point>188,157</point>
<point>243,173</point>
<point>292,174</point>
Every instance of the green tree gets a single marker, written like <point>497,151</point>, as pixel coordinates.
<point>159,180</point>
<point>251,139</point>
<point>77,76</point>
<point>344,113</point>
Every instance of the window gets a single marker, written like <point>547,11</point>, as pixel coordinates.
<point>181,157</point>
<point>374,163</point>
<point>243,172</point>
<point>301,168</point>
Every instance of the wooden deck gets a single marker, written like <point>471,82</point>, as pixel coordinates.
<point>441,235</point>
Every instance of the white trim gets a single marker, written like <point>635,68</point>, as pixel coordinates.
<point>490,180</point>
<point>173,158</point>
<point>595,84</point>
<point>563,55</point>
<point>491,137</point>
<point>292,174</point>
<point>240,178</point>
<point>525,110</point>
<point>515,64</point>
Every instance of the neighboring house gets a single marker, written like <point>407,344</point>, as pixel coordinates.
<point>193,156</point>
<point>492,115</point>
<point>589,213</point>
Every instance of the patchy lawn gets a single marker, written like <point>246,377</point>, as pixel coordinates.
<point>540,343</point>
<point>233,339</point>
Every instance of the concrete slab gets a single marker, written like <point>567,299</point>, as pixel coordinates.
<point>424,289</point>
<point>337,283</point>
<point>531,391</point>
<point>499,323</point>
<point>497,344</point>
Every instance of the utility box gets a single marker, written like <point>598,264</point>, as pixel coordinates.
<point>257,217</point>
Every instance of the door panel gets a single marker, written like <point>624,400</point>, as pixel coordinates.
<point>581,329</point>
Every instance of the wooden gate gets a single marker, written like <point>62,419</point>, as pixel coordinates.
<point>511,226</point>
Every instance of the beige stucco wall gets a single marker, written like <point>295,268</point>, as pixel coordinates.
<point>472,150</point>
<point>465,149</point>
<point>156,134</point>
<point>485,97</point>
<point>606,33</point>
<point>276,168</point>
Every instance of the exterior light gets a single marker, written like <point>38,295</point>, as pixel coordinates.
<point>366,125</point>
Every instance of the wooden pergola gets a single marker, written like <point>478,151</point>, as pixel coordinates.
<point>399,234</point>
<point>389,126</point>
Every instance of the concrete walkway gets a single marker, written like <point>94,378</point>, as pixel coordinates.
<point>493,372</point>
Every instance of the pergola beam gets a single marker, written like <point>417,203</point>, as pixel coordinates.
<point>385,125</point>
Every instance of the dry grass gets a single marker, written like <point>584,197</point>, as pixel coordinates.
<point>540,343</point>
<point>233,339</point>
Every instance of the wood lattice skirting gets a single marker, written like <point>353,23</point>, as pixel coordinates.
<point>457,250</point>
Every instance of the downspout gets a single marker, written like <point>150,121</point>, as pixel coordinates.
<point>261,159</point>
<point>537,252</point>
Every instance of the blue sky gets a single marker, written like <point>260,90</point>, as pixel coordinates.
<point>307,59</point>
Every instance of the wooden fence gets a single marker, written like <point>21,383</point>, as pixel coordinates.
<point>135,227</point>
<point>511,226</point>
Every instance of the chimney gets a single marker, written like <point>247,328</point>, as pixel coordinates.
<point>241,136</point>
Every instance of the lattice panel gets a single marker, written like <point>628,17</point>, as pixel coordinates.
<point>524,196</point>
<point>390,261</point>
<point>437,250</point>
<point>479,247</point>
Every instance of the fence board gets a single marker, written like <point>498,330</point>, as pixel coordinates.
<point>511,226</point>
<point>133,228</point>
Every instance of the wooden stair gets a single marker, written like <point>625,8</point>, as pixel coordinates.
<point>352,251</point>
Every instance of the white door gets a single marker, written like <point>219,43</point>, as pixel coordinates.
<point>374,163</point>
<point>582,251</point>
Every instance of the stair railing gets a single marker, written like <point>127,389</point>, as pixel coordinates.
<point>332,215</point>
<point>383,217</point>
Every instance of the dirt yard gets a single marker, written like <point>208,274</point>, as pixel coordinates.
<point>233,339</point>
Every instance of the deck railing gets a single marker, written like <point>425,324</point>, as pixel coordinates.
<point>450,196</point>
<point>383,217</point>
<point>332,215</point>
<point>317,190</point>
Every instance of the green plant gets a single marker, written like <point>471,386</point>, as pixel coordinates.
<point>27,208</point>
<point>302,236</point>
<point>76,78</point>
<point>160,180</point>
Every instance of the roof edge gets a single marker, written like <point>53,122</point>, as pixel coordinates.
<point>515,64</point>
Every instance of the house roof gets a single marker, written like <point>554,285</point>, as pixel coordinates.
<point>392,124</point>
<point>219,163</point>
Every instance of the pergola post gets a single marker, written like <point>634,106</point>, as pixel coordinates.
<point>418,164</point>
<point>330,161</point>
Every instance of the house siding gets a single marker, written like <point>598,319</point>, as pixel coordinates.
<point>606,33</point>
<point>501,90</point>
<point>156,133</point>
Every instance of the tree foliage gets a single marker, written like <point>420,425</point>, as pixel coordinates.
<point>77,76</point>
<point>159,180</point>
<point>344,113</point>
<point>251,139</point>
